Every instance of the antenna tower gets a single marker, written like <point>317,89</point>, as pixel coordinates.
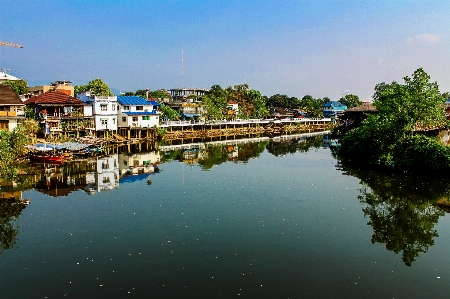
<point>182,69</point>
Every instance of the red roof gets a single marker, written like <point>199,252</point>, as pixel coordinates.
<point>54,98</point>
<point>231,102</point>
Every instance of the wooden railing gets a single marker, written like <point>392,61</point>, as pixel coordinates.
<point>8,113</point>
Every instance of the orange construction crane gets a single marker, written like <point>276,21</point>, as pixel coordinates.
<point>10,44</point>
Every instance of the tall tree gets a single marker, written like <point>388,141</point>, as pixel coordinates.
<point>350,100</point>
<point>313,107</point>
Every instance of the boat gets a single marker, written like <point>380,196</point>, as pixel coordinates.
<point>55,159</point>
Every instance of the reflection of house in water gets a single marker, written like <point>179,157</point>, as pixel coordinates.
<point>233,151</point>
<point>138,163</point>
<point>106,176</point>
<point>13,196</point>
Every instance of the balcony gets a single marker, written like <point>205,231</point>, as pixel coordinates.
<point>11,113</point>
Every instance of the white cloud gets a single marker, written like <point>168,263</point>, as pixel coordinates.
<point>424,39</point>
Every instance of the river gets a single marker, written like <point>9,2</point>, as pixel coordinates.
<point>263,219</point>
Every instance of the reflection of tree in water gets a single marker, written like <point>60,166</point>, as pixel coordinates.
<point>291,146</point>
<point>10,209</point>
<point>218,154</point>
<point>401,210</point>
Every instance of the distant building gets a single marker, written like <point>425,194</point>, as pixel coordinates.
<point>186,94</point>
<point>333,108</point>
<point>186,110</point>
<point>233,107</point>
<point>61,86</point>
<point>11,108</point>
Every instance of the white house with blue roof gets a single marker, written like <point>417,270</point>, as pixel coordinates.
<point>137,112</point>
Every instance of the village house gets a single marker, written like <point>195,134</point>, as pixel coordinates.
<point>104,111</point>
<point>61,86</point>
<point>137,117</point>
<point>137,112</point>
<point>61,113</point>
<point>11,108</point>
<point>233,108</point>
<point>333,108</point>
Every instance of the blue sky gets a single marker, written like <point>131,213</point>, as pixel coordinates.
<point>321,48</point>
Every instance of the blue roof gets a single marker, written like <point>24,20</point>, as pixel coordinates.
<point>141,113</point>
<point>134,178</point>
<point>334,104</point>
<point>135,100</point>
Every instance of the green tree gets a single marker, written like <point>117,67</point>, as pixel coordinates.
<point>97,86</point>
<point>19,86</point>
<point>168,112</point>
<point>258,103</point>
<point>212,107</point>
<point>313,107</point>
<point>350,100</point>
<point>388,138</point>
<point>12,145</point>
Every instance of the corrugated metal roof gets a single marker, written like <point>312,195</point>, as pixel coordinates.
<point>135,100</point>
<point>54,97</point>
<point>142,113</point>
<point>333,104</point>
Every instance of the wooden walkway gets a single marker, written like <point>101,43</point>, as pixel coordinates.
<point>181,123</point>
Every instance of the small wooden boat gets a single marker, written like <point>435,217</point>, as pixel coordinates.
<point>47,158</point>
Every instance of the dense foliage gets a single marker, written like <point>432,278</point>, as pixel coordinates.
<point>97,86</point>
<point>250,102</point>
<point>19,86</point>
<point>390,137</point>
<point>168,113</point>
<point>350,100</point>
<point>12,144</point>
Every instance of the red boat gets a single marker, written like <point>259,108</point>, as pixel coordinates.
<point>55,159</point>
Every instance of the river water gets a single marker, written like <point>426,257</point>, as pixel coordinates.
<point>266,219</point>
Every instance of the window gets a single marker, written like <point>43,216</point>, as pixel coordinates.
<point>135,118</point>
<point>114,107</point>
<point>139,108</point>
<point>126,108</point>
<point>114,121</point>
<point>124,118</point>
<point>104,121</point>
<point>103,107</point>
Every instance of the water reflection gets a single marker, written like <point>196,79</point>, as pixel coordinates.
<point>11,206</point>
<point>403,210</point>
